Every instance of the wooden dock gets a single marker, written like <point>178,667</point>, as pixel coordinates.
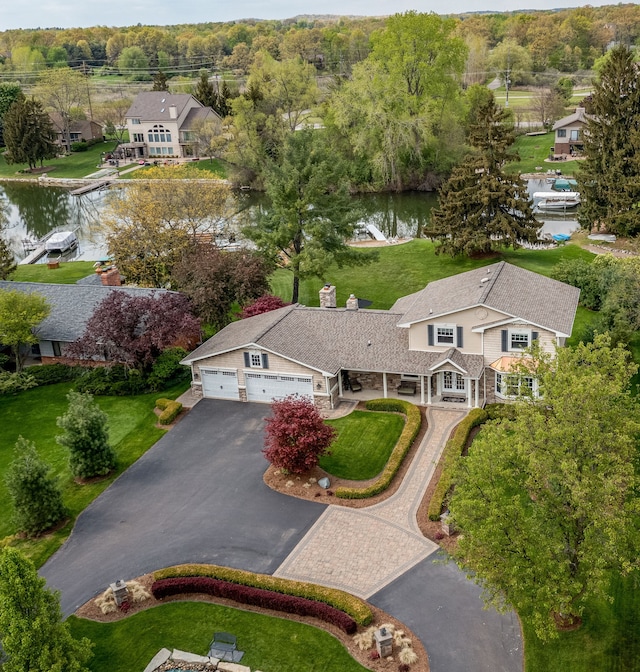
<point>93,186</point>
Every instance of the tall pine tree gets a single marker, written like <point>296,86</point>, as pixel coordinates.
<point>204,91</point>
<point>609,178</point>
<point>481,207</point>
<point>28,133</point>
<point>160,82</point>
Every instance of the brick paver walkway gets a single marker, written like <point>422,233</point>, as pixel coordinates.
<point>363,550</point>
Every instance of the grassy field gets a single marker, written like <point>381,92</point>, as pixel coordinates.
<point>33,414</point>
<point>399,270</point>
<point>533,150</point>
<point>68,273</point>
<point>365,441</point>
<point>77,164</point>
<point>270,644</point>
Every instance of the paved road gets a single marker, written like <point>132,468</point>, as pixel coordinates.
<point>196,496</point>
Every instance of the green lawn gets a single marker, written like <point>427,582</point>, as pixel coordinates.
<point>68,273</point>
<point>608,641</point>
<point>202,169</point>
<point>33,414</point>
<point>77,164</point>
<point>402,269</point>
<point>533,150</point>
<point>270,644</point>
<point>365,441</point>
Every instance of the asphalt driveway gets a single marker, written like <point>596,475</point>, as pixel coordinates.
<point>196,496</point>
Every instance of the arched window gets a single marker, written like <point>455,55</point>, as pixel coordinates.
<point>159,133</point>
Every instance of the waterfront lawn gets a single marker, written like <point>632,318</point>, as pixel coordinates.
<point>33,414</point>
<point>364,444</point>
<point>533,150</point>
<point>198,170</point>
<point>269,643</point>
<point>68,273</point>
<point>400,270</point>
<point>75,165</point>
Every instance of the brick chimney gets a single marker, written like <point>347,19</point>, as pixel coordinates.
<point>328,296</point>
<point>352,302</point>
<point>111,278</point>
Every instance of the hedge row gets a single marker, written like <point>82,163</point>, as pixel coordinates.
<point>453,450</point>
<point>267,599</point>
<point>170,410</point>
<point>353,606</point>
<point>409,433</point>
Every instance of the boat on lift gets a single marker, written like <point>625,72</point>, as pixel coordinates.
<point>556,200</point>
<point>61,242</point>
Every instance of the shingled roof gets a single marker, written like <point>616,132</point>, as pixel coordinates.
<point>72,306</point>
<point>508,289</point>
<point>154,105</point>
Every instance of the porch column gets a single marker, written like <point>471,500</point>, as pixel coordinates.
<point>476,385</point>
<point>339,383</point>
<point>384,384</point>
<point>467,389</point>
<point>422,390</point>
<point>429,391</point>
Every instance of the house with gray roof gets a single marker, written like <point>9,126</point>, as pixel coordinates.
<point>569,133</point>
<point>164,125</point>
<point>457,341</point>
<point>71,308</point>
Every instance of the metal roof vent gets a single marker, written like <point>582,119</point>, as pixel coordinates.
<point>162,110</point>
<point>162,101</point>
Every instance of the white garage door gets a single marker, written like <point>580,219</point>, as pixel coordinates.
<point>220,383</point>
<point>269,386</point>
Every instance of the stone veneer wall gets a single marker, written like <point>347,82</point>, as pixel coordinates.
<point>490,375</point>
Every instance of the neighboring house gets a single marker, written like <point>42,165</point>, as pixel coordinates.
<point>569,133</point>
<point>72,306</point>
<point>163,125</point>
<point>80,130</point>
<point>455,341</point>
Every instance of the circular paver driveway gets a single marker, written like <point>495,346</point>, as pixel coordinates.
<point>196,496</point>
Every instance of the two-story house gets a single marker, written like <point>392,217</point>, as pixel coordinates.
<point>455,341</point>
<point>164,125</point>
<point>569,133</point>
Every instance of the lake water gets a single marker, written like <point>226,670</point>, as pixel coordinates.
<point>36,210</point>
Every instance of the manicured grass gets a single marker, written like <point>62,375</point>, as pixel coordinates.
<point>202,169</point>
<point>402,269</point>
<point>608,641</point>
<point>533,150</point>
<point>77,164</point>
<point>33,414</point>
<point>68,273</point>
<point>365,441</point>
<point>270,644</point>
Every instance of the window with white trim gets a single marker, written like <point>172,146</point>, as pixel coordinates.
<point>512,385</point>
<point>255,360</point>
<point>452,381</point>
<point>445,334</point>
<point>519,339</point>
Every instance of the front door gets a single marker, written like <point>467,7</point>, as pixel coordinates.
<point>452,383</point>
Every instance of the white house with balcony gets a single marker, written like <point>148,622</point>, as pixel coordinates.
<point>164,125</point>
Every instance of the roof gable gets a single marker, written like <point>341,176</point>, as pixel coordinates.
<point>578,117</point>
<point>154,105</point>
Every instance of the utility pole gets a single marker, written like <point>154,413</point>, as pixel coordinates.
<point>507,81</point>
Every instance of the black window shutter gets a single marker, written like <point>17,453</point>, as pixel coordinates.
<point>459,337</point>
<point>505,340</point>
<point>247,361</point>
<point>430,334</point>
<point>265,360</point>
<point>534,335</point>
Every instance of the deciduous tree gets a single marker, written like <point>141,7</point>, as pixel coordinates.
<point>609,178</point>
<point>34,636</point>
<point>36,496</point>
<point>20,314</point>
<point>86,436</point>
<point>548,502</point>
<point>311,216</point>
<point>296,436</point>
<point>134,330</point>
<point>264,304</point>
<point>28,133</point>
<point>482,208</point>
<point>152,224</point>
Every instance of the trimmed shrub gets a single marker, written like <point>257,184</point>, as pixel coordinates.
<point>81,146</point>
<point>267,599</point>
<point>113,380</point>
<point>49,374</point>
<point>498,411</point>
<point>170,410</point>
<point>452,451</point>
<point>351,605</point>
<point>411,428</point>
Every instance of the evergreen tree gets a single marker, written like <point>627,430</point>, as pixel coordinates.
<point>223,100</point>
<point>9,93</point>
<point>36,496</point>
<point>160,82</point>
<point>609,178</point>
<point>34,636</point>
<point>86,435</point>
<point>481,207</point>
<point>28,133</point>
<point>205,92</point>
<point>7,261</point>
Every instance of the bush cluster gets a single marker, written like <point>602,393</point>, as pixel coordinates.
<point>351,605</point>
<point>411,428</point>
<point>80,146</point>
<point>267,599</point>
<point>452,451</point>
<point>115,380</point>
<point>49,374</point>
<point>170,410</point>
